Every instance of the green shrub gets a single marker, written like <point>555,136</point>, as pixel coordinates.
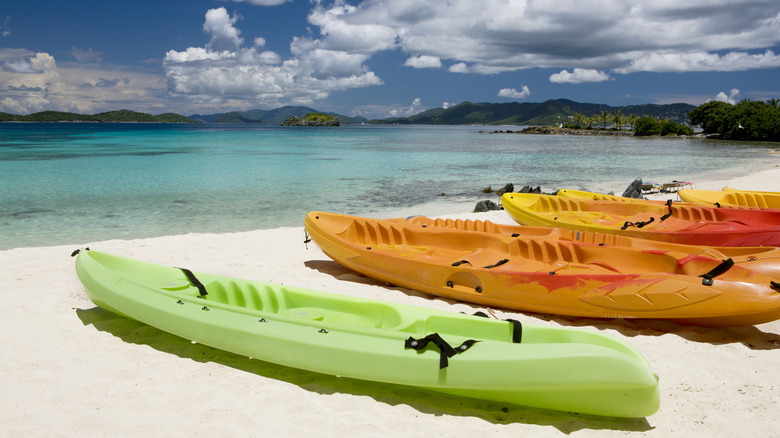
<point>649,126</point>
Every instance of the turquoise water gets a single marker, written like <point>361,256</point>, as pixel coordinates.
<point>78,182</point>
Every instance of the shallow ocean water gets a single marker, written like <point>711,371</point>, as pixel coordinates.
<point>71,183</point>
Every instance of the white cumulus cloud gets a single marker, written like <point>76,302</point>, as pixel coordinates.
<point>411,110</point>
<point>33,82</point>
<point>494,36</point>
<point>578,76</point>
<point>224,36</point>
<point>728,98</point>
<point>585,41</point>
<point>702,61</point>
<point>225,71</point>
<point>514,94</point>
<point>460,67</point>
<point>423,61</point>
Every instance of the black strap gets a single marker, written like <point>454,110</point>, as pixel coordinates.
<point>636,224</point>
<point>642,224</point>
<point>498,263</point>
<point>724,266</point>
<point>774,285</point>
<point>194,281</point>
<point>445,349</point>
<point>667,215</point>
<point>458,263</point>
<point>517,331</point>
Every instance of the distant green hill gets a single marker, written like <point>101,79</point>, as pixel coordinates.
<point>121,116</point>
<point>271,117</point>
<point>545,113</point>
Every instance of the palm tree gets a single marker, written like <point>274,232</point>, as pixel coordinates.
<point>597,119</point>
<point>605,117</point>
<point>578,118</point>
<point>618,117</point>
<point>632,120</point>
<point>589,121</point>
<point>773,102</point>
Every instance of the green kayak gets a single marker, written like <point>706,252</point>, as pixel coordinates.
<point>546,367</point>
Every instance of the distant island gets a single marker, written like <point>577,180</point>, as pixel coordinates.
<point>275,116</point>
<point>312,119</point>
<point>551,112</point>
<point>121,116</point>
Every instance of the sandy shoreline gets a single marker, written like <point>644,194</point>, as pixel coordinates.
<point>74,369</point>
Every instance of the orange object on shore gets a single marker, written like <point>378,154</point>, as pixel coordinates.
<point>547,275</point>
<point>762,259</point>
<point>687,223</point>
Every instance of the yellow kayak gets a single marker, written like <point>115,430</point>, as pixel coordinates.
<point>732,197</point>
<point>581,194</point>
<point>671,222</point>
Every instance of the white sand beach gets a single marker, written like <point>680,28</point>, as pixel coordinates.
<point>70,368</point>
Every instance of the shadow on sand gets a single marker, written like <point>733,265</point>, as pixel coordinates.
<point>426,402</point>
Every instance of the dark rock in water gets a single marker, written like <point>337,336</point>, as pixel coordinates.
<point>509,188</point>
<point>529,189</point>
<point>485,205</point>
<point>634,190</point>
<point>487,190</point>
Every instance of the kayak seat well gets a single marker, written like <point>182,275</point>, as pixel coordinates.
<point>294,303</point>
<point>246,296</point>
<point>364,233</point>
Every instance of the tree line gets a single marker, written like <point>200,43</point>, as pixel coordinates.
<point>642,126</point>
<point>747,120</point>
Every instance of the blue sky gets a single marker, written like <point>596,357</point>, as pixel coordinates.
<point>381,58</point>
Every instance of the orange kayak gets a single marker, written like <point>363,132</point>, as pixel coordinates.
<point>548,276</point>
<point>762,259</point>
<point>686,223</point>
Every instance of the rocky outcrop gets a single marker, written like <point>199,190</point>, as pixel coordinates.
<point>486,205</point>
<point>548,130</point>
<point>634,190</point>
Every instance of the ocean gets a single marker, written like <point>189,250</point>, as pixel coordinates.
<point>75,183</point>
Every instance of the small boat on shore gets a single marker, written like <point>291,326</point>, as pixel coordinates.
<point>582,194</point>
<point>449,352</point>
<point>742,200</point>
<point>548,276</point>
<point>732,198</point>
<point>762,259</point>
<point>669,222</point>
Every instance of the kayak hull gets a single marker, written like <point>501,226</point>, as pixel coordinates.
<point>367,339</point>
<point>546,275</point>
<point>761,259</point>
<point>686,224</point>
<point>732,197</point>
